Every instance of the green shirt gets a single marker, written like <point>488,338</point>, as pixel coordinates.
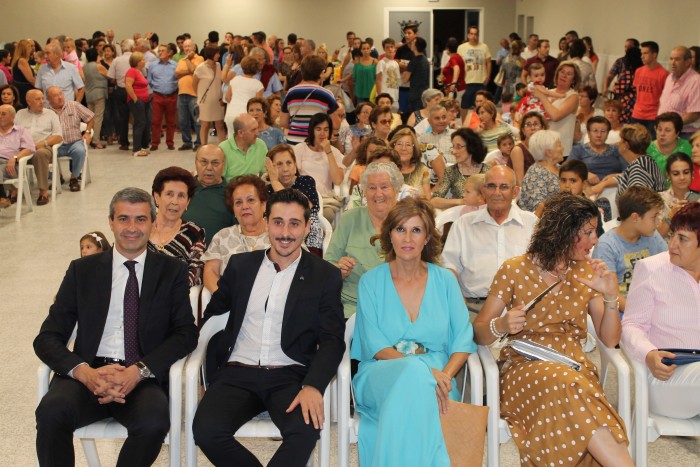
<point>179,56</point>
<point>208,209</point>
<point>351,238</point>
<point>653,151</point>
<point>237,163</point>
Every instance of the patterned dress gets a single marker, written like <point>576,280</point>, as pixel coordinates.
<point>187,245</point>
<point>538,185</point>
<point>552,411</point>
<point>418,178</point>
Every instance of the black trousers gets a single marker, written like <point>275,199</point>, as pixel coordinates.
<point>238,395</point>
<point>69,405</point>
<point>122,123</point>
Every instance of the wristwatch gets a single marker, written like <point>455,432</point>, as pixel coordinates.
<point>144,372</point>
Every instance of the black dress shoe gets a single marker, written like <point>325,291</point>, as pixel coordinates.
<point>185,147</point>
<point>124,148</point>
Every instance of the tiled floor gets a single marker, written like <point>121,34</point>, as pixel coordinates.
<point>34,254</point>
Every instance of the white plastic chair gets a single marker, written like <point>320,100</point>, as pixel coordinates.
<point>497,429</point>
<point>110,428</point>
<point>327,231</point>
<point>56,171</point>
<point>648,426</point>
<point>448,215</point>
<point>611,194</point>
<point>21,183</point>
<point>195,291</point>
<point>611,224</point>
<point>348,427</point>
<point>258,427</point>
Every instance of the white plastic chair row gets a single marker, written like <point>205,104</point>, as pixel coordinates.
<point>260,426</point>
<point>21,183</point>
<point>348,427</point>
<point>647,426</point>
<point>110,428</point>
<point>498,432</point>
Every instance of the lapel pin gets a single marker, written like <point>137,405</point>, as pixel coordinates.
<point>301,278</point>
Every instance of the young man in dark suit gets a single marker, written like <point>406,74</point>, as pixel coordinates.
<point>134,320</point>
<point>281,346</point>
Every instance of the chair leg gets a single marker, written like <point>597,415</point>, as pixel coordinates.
<point>90,449</point>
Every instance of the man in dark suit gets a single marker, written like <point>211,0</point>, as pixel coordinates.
<point>134,320</point>
<point>281,346</point>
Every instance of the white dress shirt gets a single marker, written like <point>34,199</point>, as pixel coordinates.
<point>112,342</point>
<point>118,70</point>
<point>477,246</point>
<point>259,341</point>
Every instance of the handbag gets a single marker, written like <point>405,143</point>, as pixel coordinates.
<point>533,351</point>
<point>500,77</point>
<point>683,356</point>
<point>464,429</point>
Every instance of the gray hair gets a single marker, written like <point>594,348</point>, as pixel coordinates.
<point>259,51</point>
<point>56,48</point>
<point>429,94</point>
<point>132,195</point>
<point>388,168</point>
<point>10,109</point>
<point>436,108</point>
<point>540,141</point>
<point>239,122</point>
<point>127,45</point>
<point>311,44</point>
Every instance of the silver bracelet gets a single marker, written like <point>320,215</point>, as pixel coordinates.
<point>492,327</point>
<point>617,300</point>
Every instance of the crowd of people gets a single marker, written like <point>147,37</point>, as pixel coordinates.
<point>357,140</point>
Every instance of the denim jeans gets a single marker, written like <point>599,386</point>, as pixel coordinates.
<point>188,114</point>
<point>76,151</point>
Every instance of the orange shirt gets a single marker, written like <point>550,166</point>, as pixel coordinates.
<point>184,84</point>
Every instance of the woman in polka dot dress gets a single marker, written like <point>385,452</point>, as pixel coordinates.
<point>557,415</point>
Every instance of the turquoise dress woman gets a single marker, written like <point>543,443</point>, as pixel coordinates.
<point>396,398</point>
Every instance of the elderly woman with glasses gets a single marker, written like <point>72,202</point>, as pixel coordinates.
<point>414,172</point>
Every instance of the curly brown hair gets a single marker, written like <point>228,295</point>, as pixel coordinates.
<point>235,182</point>
<point>400,213</point>
<point>557,231</point>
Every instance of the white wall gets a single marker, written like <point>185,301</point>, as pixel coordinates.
<point>321,20</point>
<point>610,22</point>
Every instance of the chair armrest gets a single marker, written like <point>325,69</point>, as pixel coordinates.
<point>624,390</point>
<point>476,379</point>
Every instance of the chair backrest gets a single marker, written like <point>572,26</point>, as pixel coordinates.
<point>448,215</point>
<point>327,231</point>
<point>349,331</point>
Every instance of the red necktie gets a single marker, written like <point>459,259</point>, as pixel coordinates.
<point>131,316</point>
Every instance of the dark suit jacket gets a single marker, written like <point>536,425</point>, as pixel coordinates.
<point>313,325</point>
<point>166,325</point>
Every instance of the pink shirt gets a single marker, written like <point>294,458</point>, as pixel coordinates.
<point>681,95</point>
<point>663,308</point>
<point>12,142</point>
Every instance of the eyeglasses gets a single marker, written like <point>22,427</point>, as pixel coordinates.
<point>532,125</point>
<point>458,146</point>
<point>384,121</point>
<point>214,164</point>
<point>403,144</point>
<point>501,187</point>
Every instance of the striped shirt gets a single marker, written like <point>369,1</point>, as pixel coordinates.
<point>662,308</point>
<point>301,103</point>
<point>70,116</point>
<point>682,96</point>
<point>643,171</point>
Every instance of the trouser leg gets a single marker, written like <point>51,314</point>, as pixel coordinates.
<point>41,160</point>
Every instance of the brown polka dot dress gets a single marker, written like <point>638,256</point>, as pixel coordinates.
<point>552,410</point>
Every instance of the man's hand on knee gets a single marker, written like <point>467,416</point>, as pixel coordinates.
<point>311,401</point>
<point>93,379</point>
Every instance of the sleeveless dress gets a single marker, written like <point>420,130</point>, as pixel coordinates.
<point>552,411</point>
<point>21,83</point>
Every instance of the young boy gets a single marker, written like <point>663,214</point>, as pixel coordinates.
<point>529,103</point>
<point>635,238</point>
<point>473,200</point>
<point>388,73</point>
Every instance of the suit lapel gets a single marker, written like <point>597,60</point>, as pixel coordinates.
<point>103,286</point>
<point>298,283</point>
<point>151,273</point>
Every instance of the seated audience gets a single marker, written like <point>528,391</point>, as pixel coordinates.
<point>501,156</point>
<point>350,248</point>
<point>602,159</point>
<point>317,158</point>
<point>360,128</point>
<point>381,120</point>
<point>172,190</point>
<point>92,243</point>
<point>246,196</point>
<point>71,114</point>
<point>384,99</point>
<point>245,152</point>
<point>430,98</point>
<point>586,109</point>
<point>489,129</point>
<point>642,170</point>
<point>469,152</point>
<point>439,136</point>
<point>635,238</point>
<point>45,128</point>
<point>282,172</point>
<point>16,144</point>
<point>661,313</point>
<point>207,207</point>
<point>592,431</point>
<point>668,127</point>
<point>412,336</point>
<point>695,142</point>
<point>9,95</point>
<point>366,147</point>
<point>542,178</point>
<point>415,173</point>
<point>679,170</point>
<point>480,241</point>
<point>260,110</point>
<point>520,157</point>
